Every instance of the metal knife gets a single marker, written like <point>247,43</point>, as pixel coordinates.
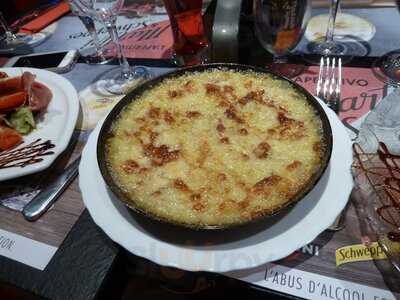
<point>48,195</point>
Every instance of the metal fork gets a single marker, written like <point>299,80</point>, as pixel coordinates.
<point>328,89</point>
<point>330,82</point>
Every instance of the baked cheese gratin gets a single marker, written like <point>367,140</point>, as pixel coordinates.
<point>216,147</point>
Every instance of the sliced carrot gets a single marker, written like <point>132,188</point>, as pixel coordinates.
<point>11,85</point>
<point>9,138</point>
<point>12,101</point>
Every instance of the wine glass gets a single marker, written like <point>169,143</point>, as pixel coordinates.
<point>387,67</point>
<point>11,42</point>
<point>279,26</point>
<point>106,11</point>
<point>95,53</point>
<point>333,47</point>
<point>19,43</point>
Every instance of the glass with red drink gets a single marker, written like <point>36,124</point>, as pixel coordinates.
<point>190,41</point>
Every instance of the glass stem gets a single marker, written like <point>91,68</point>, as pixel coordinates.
<point>331,22</point>
<point>112,29</point>
<point>10,36</point>
<point>91,28</point>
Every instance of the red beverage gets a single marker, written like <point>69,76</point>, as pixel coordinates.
<point>187,26</point>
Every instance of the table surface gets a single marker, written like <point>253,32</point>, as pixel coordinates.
<point>72,273</point>
<point>77,274</point>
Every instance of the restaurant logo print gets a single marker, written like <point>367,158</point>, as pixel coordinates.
<point>343,255</point>
<point>138,39</point>
<point>153,41</point>
<point>359,252</point>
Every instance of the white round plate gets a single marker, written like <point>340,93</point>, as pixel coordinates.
<point>299,226</point>
<point>56,124</point>
<point>346,25</point>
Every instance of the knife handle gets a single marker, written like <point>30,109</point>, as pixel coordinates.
<point>48,195</point>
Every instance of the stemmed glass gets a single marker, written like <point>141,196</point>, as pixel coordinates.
<point>95,54</point>
<point>10,42</point>
<point>19,42</point>
<point>106,11</point>
<point>387,67</point>
<point>332,47</point>
<point>279,26</point>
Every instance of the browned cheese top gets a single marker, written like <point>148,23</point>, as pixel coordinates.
<point>215,147</point>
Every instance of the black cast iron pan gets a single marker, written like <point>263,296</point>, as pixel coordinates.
<point>134,94</point>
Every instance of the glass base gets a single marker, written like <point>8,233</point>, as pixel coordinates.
<point>387,68</point>
<point>32,39</point>
<point>118,83</point>
<point>342,45</point>
<point>15,47</point>
<point>326,49</point>
<point>201,57</point>
<point>285,69</point>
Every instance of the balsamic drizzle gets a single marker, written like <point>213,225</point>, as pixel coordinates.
<point>27,155</point>
<point>384,177</point>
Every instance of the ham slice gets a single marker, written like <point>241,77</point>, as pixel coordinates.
<point>27,79</point>
<point>15,92</point>
<point>39,95</point>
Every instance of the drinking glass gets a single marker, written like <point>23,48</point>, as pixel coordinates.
<point>279,26</point>
<point>387,67</point>
<point>106,11</point>
<point>95,53</point>
<point>190,41</point>
<point>10,42</point>
<point>10,39</point>
<point>332,47</point>
<point>19,42</point>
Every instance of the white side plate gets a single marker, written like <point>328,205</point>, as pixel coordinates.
<point>56,124</point>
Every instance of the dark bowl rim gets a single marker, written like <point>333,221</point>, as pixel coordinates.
<point>137,91</point>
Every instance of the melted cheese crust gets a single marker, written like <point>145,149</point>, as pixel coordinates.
<point>216,147</point>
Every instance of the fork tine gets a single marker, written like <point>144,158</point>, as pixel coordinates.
<point>320,75</point>
<point>326,78</point>
<point>332,79</point>
<point>339,81</point>
<point>336,95</point>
